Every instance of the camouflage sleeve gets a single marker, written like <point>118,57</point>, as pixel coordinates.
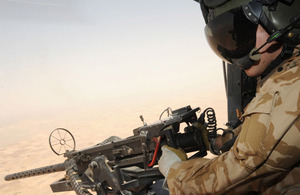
<point>229,136</point>
<point>266,149</point>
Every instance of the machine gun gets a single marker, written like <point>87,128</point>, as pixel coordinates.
<point>123,166</point>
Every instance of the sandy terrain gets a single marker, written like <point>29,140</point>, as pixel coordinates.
<point>24,145</point>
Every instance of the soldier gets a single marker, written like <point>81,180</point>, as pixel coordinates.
<point>262,37</point>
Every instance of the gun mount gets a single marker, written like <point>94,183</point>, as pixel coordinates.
<point>122,166</point>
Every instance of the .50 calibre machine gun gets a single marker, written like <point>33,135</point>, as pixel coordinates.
<point>126,166</point>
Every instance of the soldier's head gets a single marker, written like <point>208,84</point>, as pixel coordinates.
<point>252,33</point>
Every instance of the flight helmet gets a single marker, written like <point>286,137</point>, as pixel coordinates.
<point>231,27</point>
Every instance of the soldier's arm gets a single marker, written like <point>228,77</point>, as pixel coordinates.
<point>203,176</point>
<point>267,146</point>
<point>225,141</point>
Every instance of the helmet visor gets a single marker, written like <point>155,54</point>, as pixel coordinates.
<point>231,35</point>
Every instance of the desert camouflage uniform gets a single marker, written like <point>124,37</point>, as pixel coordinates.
<point>265,157</point>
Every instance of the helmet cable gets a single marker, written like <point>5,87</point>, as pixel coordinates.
<point>276,35</point>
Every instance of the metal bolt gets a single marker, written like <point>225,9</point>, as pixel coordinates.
<point>93,165</point>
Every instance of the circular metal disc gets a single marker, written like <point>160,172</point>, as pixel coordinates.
<point>61,141</point>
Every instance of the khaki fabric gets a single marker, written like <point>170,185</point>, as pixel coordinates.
<point>265,157</point>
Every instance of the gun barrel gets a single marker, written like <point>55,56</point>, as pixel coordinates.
<point>36,172</point>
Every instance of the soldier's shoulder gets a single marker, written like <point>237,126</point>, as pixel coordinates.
<point>287,74</point>
<point>292,64</point>
<point>282,89</point>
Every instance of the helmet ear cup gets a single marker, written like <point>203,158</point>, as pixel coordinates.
<point>274,16</point>
<point>285,13</point>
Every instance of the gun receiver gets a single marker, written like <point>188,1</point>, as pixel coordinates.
<point>124,166</point>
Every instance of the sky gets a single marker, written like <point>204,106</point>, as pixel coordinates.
<point>64,60</point>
